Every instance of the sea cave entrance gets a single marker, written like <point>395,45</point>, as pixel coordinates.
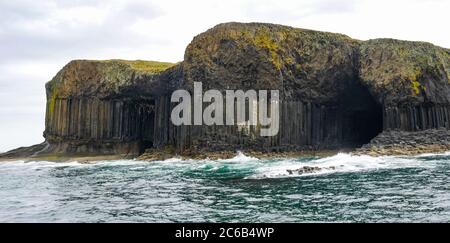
<point>144,119</point>
<point>363,115</point>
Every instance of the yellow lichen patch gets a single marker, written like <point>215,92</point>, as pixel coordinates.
<point>289,60</point>
<point>146,66</point>
<point>415,87</point>
<point>52,101</point>
<point>264,41</point>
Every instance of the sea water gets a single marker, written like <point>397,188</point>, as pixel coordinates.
<point>243,189</point>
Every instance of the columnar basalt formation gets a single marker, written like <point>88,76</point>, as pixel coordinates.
<point>335,92</point>
<point>324,105</point>
<point>411,80</point>
<point>105,107</point>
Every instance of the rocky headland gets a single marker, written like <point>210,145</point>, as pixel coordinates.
<point>378,97</point>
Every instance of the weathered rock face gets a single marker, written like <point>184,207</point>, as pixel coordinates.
<point>404,72</point>
<point>102,107</point>
<point>335,92</point>
<point>308,66</point>
<point>108,79</point>
<point>323,102</point>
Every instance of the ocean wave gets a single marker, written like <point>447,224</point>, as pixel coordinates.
<point>240,158</point>
<point>433,154</point>
<point>255,168</point>
<point>345,185</point>
<point>339,163</point>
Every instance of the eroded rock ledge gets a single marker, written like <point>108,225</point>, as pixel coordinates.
<point>396,142</point>
<point>336,92</point>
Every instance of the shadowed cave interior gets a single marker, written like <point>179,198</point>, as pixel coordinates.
<point>363,115</point>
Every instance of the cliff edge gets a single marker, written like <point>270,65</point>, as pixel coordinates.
<point>336,92</point>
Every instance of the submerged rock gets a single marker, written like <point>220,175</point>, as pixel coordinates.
<point>304,170</point>
<point>308,170</point>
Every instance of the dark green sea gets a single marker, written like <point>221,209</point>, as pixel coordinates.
<point>242,189</point>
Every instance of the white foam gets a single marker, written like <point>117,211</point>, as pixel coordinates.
<point>341,162</point>
<point>433,154</point>
<point>47,164</point>
<point>33,165</point>
<point>239,158</point>
<point>170,160</point>
<point>123,162</point>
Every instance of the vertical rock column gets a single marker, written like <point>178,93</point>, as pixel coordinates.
<point>416,117</point>
<point>95,122</point>
<point>303,125</point>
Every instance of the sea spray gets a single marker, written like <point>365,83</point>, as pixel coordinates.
<point>358,188</point>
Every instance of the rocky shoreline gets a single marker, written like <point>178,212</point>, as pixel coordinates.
<point>388,143</point>
<point>167,153</point>
<point>397,142</point>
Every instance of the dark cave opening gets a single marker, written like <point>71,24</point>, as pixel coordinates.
<point>363,115</point>
<point>146,123</point>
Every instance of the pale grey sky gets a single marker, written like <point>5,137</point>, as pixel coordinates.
<point>37,38</point>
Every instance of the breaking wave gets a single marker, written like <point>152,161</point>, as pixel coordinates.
<point>254,168</point>
<point>343,187</point>
<point>340,163</point>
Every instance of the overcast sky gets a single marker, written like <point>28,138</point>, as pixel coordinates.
<point>37,38</point>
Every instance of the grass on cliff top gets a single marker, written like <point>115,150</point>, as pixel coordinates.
<point>145,66</point>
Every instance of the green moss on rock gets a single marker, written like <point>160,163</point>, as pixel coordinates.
<point>302,64</point>
<point>264,41</point>
<point>105,78</point>
<point>145,66</point>
<point>401,72</point>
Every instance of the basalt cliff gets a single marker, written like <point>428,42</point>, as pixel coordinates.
<point>335,92</point>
